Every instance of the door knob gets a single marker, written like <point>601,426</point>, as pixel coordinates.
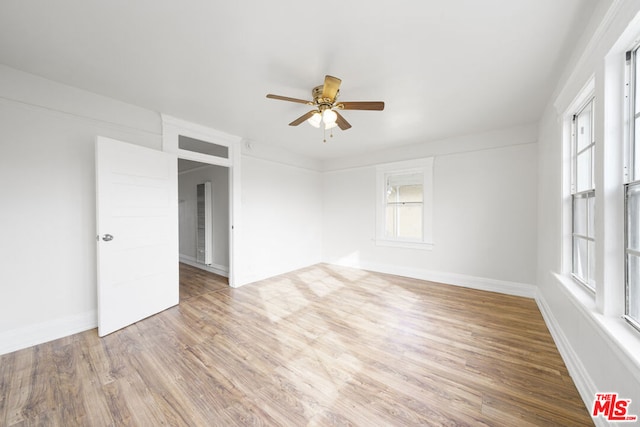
<point>107,237</point>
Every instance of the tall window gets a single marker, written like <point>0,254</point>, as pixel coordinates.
<point>632,198</point>
<point>404,198</point>
<point>583,196</point>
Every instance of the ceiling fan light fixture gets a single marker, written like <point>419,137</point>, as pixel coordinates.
<point>328,126</point>
<point>326,106</point>
<point>315,120</point>
<point>329,117</point>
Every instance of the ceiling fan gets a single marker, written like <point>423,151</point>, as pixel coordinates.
<point>326,105</point>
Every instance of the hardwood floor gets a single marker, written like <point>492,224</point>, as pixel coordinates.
<point>195,282</point>
<point>320,346</point>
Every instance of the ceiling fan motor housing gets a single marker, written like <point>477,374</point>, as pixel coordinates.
<point>316,92</point>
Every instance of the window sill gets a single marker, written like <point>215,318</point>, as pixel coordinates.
<point>406,245</point>
<point>578,292</point>
<point>575,280</point>
<point>623,338</point>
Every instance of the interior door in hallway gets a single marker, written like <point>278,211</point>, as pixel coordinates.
<point>137,233</point>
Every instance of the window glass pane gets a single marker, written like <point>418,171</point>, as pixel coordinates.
<point>410,221</point>
<point>583,171</point>
<point>583,128</point>
<point>397,180</point>
<point>633,217</point>
<point>591,267</point>
<point>404,221</point>
<point>410,193</point>
<point>591,204</point>
<point>580,215</point>
<point>635,56</point>
<point>633,290</point>
<point>202,147</point>
<point>390,221</point>
<point>635,150</point>
<point>403,211</point>
<point>636,162</point>
<point>580,258</point>
<point>392,194</point>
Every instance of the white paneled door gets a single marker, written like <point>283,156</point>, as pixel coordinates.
<point>137,233</point>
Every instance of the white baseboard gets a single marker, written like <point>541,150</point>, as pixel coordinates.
<point>581,378</point>
<point>218,269</point>
<point>480,283</point>
<point>27,336</point>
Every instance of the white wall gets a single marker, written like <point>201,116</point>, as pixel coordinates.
<point>601,351</point>
<point>47,220</point>
<point>47,206</point>
<point>281,216</point>
<point>47,214</point>
<point>484,215</point>
<point>187,182</point>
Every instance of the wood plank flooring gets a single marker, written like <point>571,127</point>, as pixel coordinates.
<point>324,345</point>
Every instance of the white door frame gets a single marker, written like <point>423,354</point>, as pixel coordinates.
<point>172,128</point>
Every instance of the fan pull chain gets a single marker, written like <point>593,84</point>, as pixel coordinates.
<point>324,130</point>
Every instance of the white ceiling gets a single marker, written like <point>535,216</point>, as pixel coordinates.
<point>443,68</point>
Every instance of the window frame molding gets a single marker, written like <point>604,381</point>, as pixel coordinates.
<point>566,262</point>
<point>587,99</point>
<point>424,166</point>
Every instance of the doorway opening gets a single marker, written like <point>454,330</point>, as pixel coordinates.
<point>203,216</point>
<point>201,144</point>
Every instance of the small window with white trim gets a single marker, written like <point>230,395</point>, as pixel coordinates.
<point>404,199</point>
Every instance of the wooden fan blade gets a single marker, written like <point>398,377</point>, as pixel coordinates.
<point>302,118</point>
<point>286,98</point>
<point>341,122</point>
<point>365,105</point>
<point>331,86</point>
